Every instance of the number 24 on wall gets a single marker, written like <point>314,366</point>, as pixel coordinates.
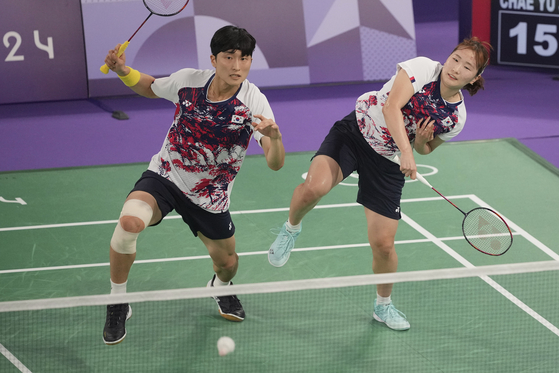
<point>12,56</point>
<point>543,34</point>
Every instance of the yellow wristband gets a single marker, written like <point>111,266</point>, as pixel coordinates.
<point>132,78</point>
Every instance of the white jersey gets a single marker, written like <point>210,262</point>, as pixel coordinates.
<point>207,142</point>
<point>425,103</point>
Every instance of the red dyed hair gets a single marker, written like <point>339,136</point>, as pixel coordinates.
<point>481,52</point>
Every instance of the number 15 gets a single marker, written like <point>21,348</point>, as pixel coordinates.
<point>543,34</point>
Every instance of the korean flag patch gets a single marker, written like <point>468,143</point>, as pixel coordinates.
<point>237,119</point>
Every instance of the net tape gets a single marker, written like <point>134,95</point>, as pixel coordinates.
<point>281,286</point>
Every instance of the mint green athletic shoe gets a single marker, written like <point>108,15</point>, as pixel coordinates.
<point>281,248</point>
<point>388,314</point>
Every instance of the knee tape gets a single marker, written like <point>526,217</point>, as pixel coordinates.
<point>124,242</point>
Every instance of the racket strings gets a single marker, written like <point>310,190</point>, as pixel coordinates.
<point>165,7</point>
<point>487,231</point>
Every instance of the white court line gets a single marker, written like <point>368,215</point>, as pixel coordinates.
<point>520,231</point>
<point>241,212</point>
<point>198,257</point>
<point>18,364</point>
<point>428,238</point>
<point>487,279</point>
<point>184,258</point>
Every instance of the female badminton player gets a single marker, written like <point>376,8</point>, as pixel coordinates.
<point>421,107</point>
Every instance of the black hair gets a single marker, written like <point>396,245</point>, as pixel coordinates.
<point>230,38</point>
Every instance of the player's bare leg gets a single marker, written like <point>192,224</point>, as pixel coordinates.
<point>225,265</point>
<point>324,174</point>
<point>382,232</point>
<point>139,211</point>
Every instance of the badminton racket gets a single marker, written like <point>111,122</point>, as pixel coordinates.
<point>484,229</point>
<point>164,8</point>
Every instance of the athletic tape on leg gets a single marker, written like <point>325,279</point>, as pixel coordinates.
<point>124,242</point>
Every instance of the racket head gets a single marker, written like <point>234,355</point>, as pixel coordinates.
<point>165,8</point>
<point>487,231</point>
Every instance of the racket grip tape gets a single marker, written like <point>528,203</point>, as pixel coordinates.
<point>423,180</point>
<point>105,69</point>
<point>419,177</point>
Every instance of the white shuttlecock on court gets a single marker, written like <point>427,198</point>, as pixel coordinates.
<point>225,345</point>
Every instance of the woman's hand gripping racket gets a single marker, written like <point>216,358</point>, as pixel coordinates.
<point>163,8</point>
<point>484,229</point>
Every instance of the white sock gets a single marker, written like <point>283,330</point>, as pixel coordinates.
<point>383,300</point>
<point>218,282</point>
<point>292,228</point>
<point>118,288</point>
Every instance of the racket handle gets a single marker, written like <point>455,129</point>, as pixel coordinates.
<point>105,69</point>
<point>423,180</point>
<point>417,174</point>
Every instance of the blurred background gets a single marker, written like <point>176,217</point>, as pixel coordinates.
<point>313,59</point>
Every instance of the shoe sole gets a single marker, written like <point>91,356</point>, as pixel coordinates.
<point>230,317</point>
<point>226,316</point>
<point>381,321</point>
<point>279,265</point>
<point>128,316</point>
<point>116,342</point>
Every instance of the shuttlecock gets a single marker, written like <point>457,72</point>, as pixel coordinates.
<point>225,345</point>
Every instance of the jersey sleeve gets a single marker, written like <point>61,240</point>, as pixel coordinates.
<point>168,87</point>
<point>258,104</point>
<point>421,70</point>
<point>266,111</point>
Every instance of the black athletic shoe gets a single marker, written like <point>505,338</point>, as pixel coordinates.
<point>229,305</point>
<point>114,331</point>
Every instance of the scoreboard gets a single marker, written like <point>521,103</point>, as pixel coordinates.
<point>525,32</point>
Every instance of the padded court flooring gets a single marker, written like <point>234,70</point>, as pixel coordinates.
<point>56,224</point>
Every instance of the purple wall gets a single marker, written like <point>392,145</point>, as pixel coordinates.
<point>42,56</point>
<point>299,42</point>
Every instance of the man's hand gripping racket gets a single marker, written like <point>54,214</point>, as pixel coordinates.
<point>163,8</point>
<point>484,229</point>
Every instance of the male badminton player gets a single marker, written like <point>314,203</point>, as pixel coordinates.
<point>217,113</point>
<point>419,108</point>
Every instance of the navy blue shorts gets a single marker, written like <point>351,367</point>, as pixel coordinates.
<point>380,180</point>
<point>169,197</point>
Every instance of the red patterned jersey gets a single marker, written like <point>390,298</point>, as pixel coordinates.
<point>426,102</point>
<point>207,142</point>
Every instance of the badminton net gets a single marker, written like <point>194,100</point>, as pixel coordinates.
<point>499,318</point>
